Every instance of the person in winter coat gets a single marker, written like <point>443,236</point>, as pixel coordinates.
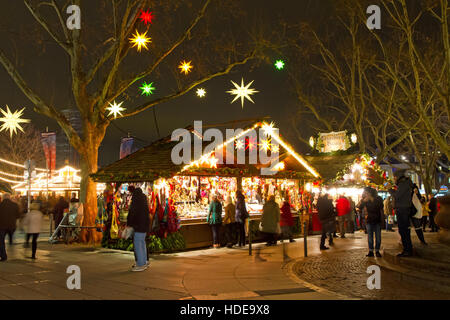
<point>230,222</point>
<point>139,220</point>
<point>403,204</point>
<point>432,205</point>
<point>9,213</point>
<point>58,211</point>
<point>286,221</point>
<point>215,219</point>
<point>270,220</point>
<point>325,210</point>
<point>387,209</point>
<point>417,222</point>
<point>343,214</point>
<point>373,207</point>
<point>425,213</point>
<point>33,224</point>
<point>241,216</point>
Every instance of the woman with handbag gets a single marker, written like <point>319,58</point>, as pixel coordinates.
<point>241,216</point>
<point>270,221</point>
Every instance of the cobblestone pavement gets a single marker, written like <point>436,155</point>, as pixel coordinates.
<point>344,272</point>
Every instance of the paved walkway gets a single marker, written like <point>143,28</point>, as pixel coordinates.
<point>271,273</point>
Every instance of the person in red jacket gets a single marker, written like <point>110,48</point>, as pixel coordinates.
<point>343,209</point>
<point>286,221</point>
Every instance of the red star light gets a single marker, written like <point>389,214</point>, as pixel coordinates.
<point>146,16</point>
<point>250,143</point>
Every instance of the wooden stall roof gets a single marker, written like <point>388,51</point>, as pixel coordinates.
<point>154,161</point>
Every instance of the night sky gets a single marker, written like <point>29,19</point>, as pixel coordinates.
<point>46,74</point>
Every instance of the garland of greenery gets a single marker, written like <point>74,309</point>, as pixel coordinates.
<point>174,242</point>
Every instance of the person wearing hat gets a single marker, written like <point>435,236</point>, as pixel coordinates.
<point>403,204</point>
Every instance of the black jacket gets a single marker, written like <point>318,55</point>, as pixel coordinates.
<point>403,194</point>
<point>374,210</point>
<point>325,209</point>
<point>9,213</point>
<point>58,210</point>
<point>138,213</point>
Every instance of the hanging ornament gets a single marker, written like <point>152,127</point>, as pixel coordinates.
<point>279,64</point>
<point>275,148</point>
<point>115,109</point>
<point>185,67</point>
<point>250,143</point>
<point>239,145</point>
<point>201,92</point>
<point>11,121</point>
<point>266,144</point>
<point>242,92</point>
<point>147,88</point>
<point>140,40</point>
<point>146,16</point>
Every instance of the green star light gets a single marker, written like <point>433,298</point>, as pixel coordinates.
<point>147,89</point>
<point>279,64</point>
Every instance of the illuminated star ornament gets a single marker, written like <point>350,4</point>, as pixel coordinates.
<point>242,92</point>
<point>185,67</point>
<point>140,40</point>
<point>250,143</point>
<point>266,144</point>
<point>147,88</point>
<point>279,64</point>
<point>115,109</point>
<point>239,145</point>
<point>146,16</point>
<point>11,121</point>
<point>201,92</point>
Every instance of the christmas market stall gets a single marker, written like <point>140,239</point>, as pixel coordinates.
<point>179,194</point>
<point>343,170</point>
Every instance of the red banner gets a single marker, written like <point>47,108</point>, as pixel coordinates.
<point>49,144</point>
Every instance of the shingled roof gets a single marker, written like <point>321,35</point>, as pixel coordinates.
<point>154,161</point>
<point>329,165</point>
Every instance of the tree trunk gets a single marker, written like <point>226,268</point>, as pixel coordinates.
<point>88,194</point>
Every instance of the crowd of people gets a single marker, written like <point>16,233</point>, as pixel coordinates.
<point>372,214</point>
<point>14,213</point>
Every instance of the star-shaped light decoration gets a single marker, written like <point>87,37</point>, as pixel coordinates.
<point>185,67</point>
<point>242,92</point>
<point>275,148</point>
<point>268,128</point>
<point>140,40</point>
<point>115,109</point>
<point>266,144</point>
<point>239,145</point>
<point>250,143</point>
<point>11,121</point>
<point>279,64</point>
<point>201,92</point>
<point>146,16</point>
<point>147,88</point>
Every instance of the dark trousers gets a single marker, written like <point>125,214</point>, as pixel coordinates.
<point>215,233</point>
<point>403,228</point>
<point>417,223</point>
<point>433,226</point>
<point>374,228</point>
<point>241,233</point>
<point>230,233</point>
<point>324,236</point>
<point>10,234</point>
<point>271,238</point>
<point>33,242</point>
<point>3,255</point>
<point>424,222</point>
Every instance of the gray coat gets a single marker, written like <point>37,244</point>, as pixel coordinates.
<point>271,217</point>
